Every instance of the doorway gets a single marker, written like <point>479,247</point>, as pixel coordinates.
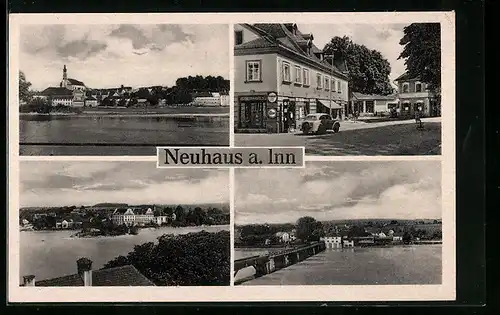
<point>251,115</point>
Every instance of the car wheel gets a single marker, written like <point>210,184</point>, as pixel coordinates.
<point>336,127</point>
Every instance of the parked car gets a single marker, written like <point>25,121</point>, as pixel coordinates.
<point>319,124</point>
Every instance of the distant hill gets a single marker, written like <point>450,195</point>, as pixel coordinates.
<point>110,205</point>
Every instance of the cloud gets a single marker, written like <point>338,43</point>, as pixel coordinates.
<point>131,54</point>
<point>339,190</point>
<point>128,182</point>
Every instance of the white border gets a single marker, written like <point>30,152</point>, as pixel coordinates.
<point>445,291</point>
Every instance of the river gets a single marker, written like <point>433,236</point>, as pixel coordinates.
<point>412,264</point>
<point>117,134</point>
<point>49,254</point>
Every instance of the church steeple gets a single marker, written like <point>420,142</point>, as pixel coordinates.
<point>65,77</point>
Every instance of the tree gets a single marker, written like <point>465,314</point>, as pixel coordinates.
<point>368,69</point>
<point>422,53</point>
<point>194,259</point>
<point>306,227</point>
<point>24,88</point>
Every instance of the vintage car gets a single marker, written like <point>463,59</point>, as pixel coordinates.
<point>319,124</point>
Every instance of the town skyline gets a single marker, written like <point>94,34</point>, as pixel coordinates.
<point>381,37</point>
<point>79,183</point>
<point>152,53</point>
<point>330,191</point>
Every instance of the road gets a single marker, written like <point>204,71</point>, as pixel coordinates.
<point>384,138</point>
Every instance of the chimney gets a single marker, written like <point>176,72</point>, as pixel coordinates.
<point>29,281</point>
<point>84,266</point>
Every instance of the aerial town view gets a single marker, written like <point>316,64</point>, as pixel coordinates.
<point>119,223</point>
<point>339,223</point>
<point>122,89</point>
<point>340,89</point>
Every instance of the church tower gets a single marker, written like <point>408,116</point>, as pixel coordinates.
<point>64,82</point>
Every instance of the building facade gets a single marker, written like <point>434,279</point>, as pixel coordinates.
<point>77,87</point>
<point>415,96</point>
<point>332,241</point>
<point>132,217</point>
<point>280,77</point>
<point>373,104</point>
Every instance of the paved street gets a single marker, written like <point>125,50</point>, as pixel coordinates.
<point>359,138</point>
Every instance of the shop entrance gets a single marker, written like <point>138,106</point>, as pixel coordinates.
<point>252,115</point>
<point>288,116</point>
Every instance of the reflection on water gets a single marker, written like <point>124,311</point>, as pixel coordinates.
<point>120,131</point>
<point>49,254</point>
<point>420,264</point>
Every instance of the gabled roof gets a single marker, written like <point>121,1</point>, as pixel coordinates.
<point>119,276</point>
<point>406,76</point>
<point>57,91</point>
<point>76,82</point>
<point>361,96</point>
<point>279,36</point>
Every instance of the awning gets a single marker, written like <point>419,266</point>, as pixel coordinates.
<point>327,104</point>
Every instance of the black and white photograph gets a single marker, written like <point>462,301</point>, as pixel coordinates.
<point>122,89</point>
<point>123,224</point>
<point>339,223</point>
<point>339,89</point>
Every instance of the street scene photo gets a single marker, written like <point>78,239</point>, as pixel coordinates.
<point>122,89</point>
<point>339,89</point>
<point>339,223</point>
<point>122,224</point>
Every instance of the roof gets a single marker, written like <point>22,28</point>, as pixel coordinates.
<point>361,96</point>
<point>59,91</point>
<point>91,98</point>
<point>76,82</point>
<point>201,94</point>
<point>405,76</point>
<point>118,276</point>
<point>279,36</point>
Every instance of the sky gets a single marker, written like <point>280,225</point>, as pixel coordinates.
<point>44,184</point>
<point>382,37</point>
<point>340,190</point>
<point>104,56</point>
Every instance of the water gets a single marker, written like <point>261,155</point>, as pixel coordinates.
<point>49,254</point>
<point>418,264</point>
<point>75,135</point>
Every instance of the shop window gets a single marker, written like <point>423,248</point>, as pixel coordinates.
<point>370,107</point>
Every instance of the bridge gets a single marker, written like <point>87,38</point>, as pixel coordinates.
<point>277,260</point>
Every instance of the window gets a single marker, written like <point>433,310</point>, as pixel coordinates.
<point>306,77</point>
<point>406,87</point>
<point>319,81</point>
<point>327,84</point>
<point>418,87</point>
<point>253,71</point>
<point>334,85</point>
<point>370,107</point>
<point>339,87</point>
<point>238,37</point>
<point>286,72</point>
<point>298,75</point>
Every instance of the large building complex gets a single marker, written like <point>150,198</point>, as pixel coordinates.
<point>280,76</point>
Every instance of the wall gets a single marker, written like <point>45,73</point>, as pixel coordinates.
<point>311,91</point>
<point>268,73</point>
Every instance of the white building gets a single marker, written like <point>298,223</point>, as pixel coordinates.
<point>348,243</point>
<point>283,236</point>
<point>133,216</point>
<point>332,241</point>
